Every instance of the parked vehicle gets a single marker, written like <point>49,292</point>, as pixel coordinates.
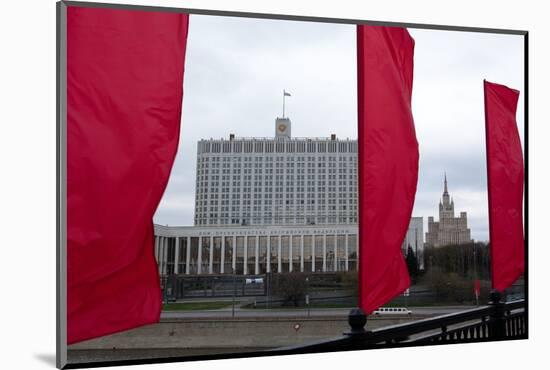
<point>392,311</point>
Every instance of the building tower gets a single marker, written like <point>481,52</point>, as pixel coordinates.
<point>449,229</point>
<point>447,206</point>
<point>282,128</point>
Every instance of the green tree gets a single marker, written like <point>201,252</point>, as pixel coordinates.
<point>451,271</point>
<point>290,287</point>
<point>412,263</point>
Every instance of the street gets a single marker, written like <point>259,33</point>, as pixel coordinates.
<point>299,312</point>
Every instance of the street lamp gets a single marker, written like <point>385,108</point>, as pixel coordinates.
<point>234,294</point>
<point>475,278</point>
<point>307,296</point>
<point>268,282</point>
<point>431,272</point>
<point>164,290</point>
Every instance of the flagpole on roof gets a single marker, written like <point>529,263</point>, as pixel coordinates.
<point>284,96</point>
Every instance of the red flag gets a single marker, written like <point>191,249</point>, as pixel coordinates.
<point>477,288</point>
<point>388,160</point>
<point>124,94</point>
<point>505,184</point>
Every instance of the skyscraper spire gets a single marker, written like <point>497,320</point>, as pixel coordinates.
<point>445,197</point>
<point>449,229</point>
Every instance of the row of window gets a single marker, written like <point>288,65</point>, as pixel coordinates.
<point>276,146</point>
<point>225,185</point>
<point>277,220</point>
<point>203,174</point>
<point>203,164</point>
<point>239,158</point>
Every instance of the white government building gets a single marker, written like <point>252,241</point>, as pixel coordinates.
<point>276,204</point>
<point>276,181</point>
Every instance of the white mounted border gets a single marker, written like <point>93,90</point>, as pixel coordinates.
<point>473,16</point>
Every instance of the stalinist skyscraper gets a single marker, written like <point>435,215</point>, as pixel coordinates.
<point>449,229</point>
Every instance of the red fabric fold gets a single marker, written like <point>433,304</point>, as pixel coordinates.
<point>505,176</point>
<point>388,160</point>
<point>124,100</point>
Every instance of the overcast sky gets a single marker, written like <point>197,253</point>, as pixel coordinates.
<point>236,69</point>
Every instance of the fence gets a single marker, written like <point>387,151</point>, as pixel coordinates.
<point>496,321</point>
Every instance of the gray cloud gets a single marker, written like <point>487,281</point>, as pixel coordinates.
<point>236,69</point>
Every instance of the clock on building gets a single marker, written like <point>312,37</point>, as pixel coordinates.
<point>282,127</point>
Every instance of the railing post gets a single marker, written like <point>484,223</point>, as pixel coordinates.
<point>357,320</point>
<point>497,324</point>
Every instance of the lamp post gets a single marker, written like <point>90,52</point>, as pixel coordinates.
<point>431,272</point>
<point>163,287</point>
<point>475,277</point>
<point>234,294</point>
<point>164,290</point>
<point>307,296</point>
<point>268,278</point>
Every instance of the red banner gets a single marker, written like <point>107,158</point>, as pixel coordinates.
<point>477,288</point>
<point>505,184</point>
<point>124,96</point>
<point>388,160</point>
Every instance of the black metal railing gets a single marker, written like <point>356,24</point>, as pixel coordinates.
<point>496,321</point>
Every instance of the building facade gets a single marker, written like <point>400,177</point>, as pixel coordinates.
<point>278,204</point>
<point>449,229</point>
<point>276,181</point>
<point>245,250</point>
<point>415,239</point>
